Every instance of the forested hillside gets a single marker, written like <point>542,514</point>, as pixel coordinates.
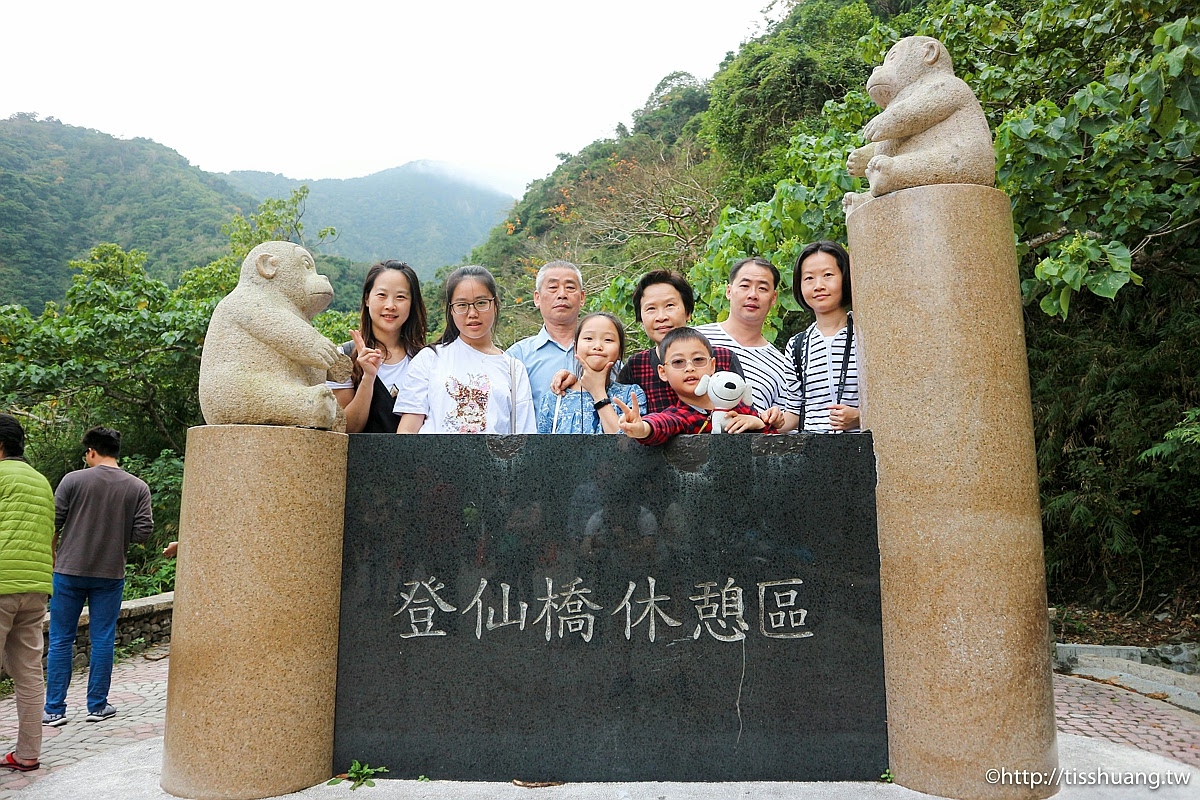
<point>417,213</point>
<point>65,189</point>
<point>1095,110</point>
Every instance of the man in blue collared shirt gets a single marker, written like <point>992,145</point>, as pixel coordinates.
<point>558,295</point>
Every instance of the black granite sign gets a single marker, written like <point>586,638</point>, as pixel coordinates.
<point>583,608</point>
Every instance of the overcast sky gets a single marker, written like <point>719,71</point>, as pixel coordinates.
<point>343,89</point>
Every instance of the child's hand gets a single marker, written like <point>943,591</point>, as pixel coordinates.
<point>596,383</point>
<point>773,417</point>
<point>742,423</point>
<point>843,417</point>
<point>631,422</point>
<point>562,381</point>
<point>369,358</point>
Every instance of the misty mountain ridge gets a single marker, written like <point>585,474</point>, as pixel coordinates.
<point>427,213</point>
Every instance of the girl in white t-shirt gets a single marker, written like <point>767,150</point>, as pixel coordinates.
<point>825,356</point>
<point>392,329</point>
<point>465,383</point>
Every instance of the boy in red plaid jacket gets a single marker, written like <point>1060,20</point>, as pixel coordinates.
<point>686,356</point>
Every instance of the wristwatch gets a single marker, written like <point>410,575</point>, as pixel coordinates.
<point>599,404</point>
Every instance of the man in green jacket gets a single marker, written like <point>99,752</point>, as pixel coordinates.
<point>26,578</point>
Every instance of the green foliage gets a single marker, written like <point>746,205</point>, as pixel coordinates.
<point>1181,444</point>
<point>124,651</point>
<point>887,776</point>
<point>1092,104</point>
<point>147,571</point>
<point>62,189</point>
<point>1094,107</point>
<point>805,207</point>
<point>779,80</point>
<point>676,100</point>
<point>358,775</point>
<point>123,350</point>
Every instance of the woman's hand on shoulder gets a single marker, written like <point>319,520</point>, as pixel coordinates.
<point>562,381</point>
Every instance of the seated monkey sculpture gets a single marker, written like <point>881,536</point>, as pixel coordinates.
<point>932,128</point>
<point>263,362</point>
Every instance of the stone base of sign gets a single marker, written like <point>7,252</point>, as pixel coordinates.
<point>943,363</point>
<point>584,608</point>
<point>254,656</point>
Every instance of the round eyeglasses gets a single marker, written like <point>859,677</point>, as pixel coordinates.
<point>481,305</point>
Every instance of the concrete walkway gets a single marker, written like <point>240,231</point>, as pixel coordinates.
<point>1102,727</point>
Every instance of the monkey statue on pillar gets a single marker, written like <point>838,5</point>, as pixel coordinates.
<point>263,362</point>
<point>932,129</point>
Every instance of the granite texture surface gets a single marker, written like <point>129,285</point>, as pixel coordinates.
<point>946,396</point>
<point>254,648</point>
<point>263,362</point>
<point>583,608</point>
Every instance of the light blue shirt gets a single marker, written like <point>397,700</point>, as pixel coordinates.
<point>542,357</point>
<point>575,411</point>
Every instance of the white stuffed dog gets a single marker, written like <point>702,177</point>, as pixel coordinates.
<point>725,390</point>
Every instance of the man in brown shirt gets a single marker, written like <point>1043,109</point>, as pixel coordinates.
<point>99,512</point>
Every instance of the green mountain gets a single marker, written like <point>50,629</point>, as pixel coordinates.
<point>419,213</point>
<point>64,190</point>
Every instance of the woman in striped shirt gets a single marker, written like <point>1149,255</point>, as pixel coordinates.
<point>824,355</point>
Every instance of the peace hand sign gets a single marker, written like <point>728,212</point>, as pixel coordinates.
<point>369,358</point>
<point>631,422</point>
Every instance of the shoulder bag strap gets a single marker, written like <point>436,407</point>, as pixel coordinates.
<point>800,357</point>
<point>846,356</point>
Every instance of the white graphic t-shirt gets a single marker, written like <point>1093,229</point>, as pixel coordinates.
<point>461,390</point>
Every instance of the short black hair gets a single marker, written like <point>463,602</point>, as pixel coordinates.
<point>12,437</point>
<point>663,276</point>
<point>757,261</point>
<point>683,334</point>
<point>105,441</point>
<point>843,261</point>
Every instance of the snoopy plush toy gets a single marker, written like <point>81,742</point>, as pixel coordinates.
<point>725,390</point>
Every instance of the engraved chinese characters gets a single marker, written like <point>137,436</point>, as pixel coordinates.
<point>558,608</point>
<point>571,610</point>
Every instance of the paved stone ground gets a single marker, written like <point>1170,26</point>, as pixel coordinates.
<point>1101,711</point>
<point>139,692</point>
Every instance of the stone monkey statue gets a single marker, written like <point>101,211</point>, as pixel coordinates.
<point>932,129</point>
<point>263,362</point>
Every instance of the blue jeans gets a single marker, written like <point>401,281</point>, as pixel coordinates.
<point>103,597</point>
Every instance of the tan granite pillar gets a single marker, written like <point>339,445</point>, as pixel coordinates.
<point>255,628</point>
<point>946,395</point>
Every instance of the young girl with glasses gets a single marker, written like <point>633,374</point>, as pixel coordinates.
<point>391,331</point>
<point>588,407</point>
<point>465,383</point>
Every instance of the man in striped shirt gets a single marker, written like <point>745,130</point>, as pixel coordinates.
<point>752,291</point>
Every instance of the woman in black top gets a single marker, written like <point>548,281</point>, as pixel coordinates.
<point>392,329</point>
